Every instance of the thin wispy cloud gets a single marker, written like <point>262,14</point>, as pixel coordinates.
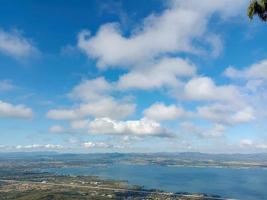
<point>13,44</point>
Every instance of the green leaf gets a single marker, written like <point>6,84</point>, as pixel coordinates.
<point>251,9</point>
<point>261,3</point>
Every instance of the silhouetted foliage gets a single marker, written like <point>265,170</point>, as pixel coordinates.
<point>258,7</point>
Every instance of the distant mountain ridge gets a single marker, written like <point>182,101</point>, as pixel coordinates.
<point>181,155</point>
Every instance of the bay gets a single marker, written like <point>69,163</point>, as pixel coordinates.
<point>245,184</point>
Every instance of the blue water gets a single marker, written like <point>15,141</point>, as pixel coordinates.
<point>243,184</point>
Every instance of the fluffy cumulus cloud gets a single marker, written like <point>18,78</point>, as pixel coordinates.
<point>91,90</point>
<point>95,100</point>
<point>15,45</point>
<point>14,111</point>
<point>143,127</point>
<point>253,81</point>
<point>162,112</point>
<point>170,31</point>
<point>204,88</point>
<point>162,73</point>
<point>108,108</point>
<point>104,107</point>
<point>220,104</point>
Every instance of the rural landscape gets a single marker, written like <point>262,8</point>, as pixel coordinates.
<point>37,175</point>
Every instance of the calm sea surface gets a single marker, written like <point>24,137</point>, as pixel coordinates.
<point>243,184</point>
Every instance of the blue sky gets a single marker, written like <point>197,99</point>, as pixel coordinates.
<point>132,76</point>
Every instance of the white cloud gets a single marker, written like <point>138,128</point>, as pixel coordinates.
<point>102,145</point>
<point>216,131</point>
<point>61,114</point>
<point>255,85</point>
<point>255,71</point>
<point>216,44</point>
<point>79,124</point>
<point>170,31</point>
<point>16,111</point>
<point>106,107</point>
<point>15,45</point>
<point>56,129</point>
<point>245,115</point>
<point>226,114</point>
<point>95,100</point>
<point>6,85</point>
<point>261,146</point>
<point>39,147</point>
<point>156,75</point>
<point>91,90</point>
<point>203,88</point>
<point>143,127</point>
<point>98,102</point>
<point>161,112</point>
<point>247,143</point>
<point>253,82</point>
<point>130,139</point>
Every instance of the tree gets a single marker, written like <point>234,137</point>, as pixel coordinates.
<point>258,7</point>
